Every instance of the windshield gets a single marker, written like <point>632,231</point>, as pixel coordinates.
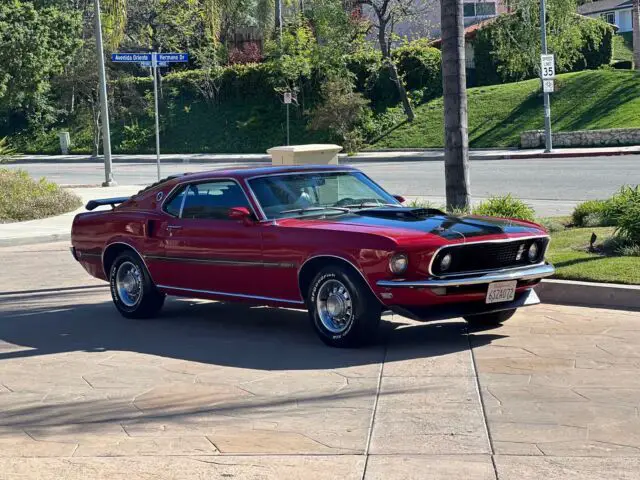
<point>308,194</point>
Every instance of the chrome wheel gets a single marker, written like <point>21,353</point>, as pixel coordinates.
<point>335,306</point>
<point>129,284</point>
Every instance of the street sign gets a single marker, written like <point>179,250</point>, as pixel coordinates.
<point>547,66</point>
<point>150,64</point>
<point>172,57</point>
<point>153,60</point>
<point>288,98</point>
<point>130,57</point>
<point>547,86</point>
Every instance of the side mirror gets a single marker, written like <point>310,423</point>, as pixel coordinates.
<point>400,198</point>
<point>241,214</point>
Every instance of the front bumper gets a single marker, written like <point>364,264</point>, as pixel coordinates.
<point>454,310</point>
<point>536,272</point>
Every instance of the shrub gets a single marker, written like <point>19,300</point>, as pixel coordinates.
<point>24,198</point>
<point>339,112</point>
<point>617,206</point>
<point>420,65</point>
<point>505,206</point>
<point>552,225</point>
<point>5,150</point>
<point>589,212</point>
<point>588,45</point>
<point>628,224</point>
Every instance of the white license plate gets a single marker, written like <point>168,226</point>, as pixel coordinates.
<point>502,292</point>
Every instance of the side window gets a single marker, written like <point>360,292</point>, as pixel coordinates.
<point>213,200</point>
<point>172,207</point>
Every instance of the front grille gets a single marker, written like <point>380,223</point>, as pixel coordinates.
<point>488,256</point>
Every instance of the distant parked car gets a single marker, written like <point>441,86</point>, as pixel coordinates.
<point>323,238</point>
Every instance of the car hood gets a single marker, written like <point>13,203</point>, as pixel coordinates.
<point>407,222</point>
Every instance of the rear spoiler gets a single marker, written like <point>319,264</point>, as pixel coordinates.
<point>93,204</point>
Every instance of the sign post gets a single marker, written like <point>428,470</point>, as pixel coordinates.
<point>288,99</point>
<point>104,104</point>
<point>547,72</point>
<point>153,60</point>
<point>154,69</point>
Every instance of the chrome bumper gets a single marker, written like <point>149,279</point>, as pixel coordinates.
<point>526,273</point>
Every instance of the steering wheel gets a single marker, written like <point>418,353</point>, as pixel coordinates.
<point>345,201</point>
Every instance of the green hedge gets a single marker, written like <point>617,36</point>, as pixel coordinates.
<point>418,64</point>
<point>596,50</point>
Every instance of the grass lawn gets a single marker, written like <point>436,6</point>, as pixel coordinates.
<point>623,47</point>
<point>567,253</point>
<point>498,114</point>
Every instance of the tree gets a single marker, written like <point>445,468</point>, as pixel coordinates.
<point>635,17</point>
<point>387,14</point>
<point>456,139</point>
<point>27,65</point>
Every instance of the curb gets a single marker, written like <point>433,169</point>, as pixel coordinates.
<point>18,242</point>
<point>412,155</point>
<point>588,294</point>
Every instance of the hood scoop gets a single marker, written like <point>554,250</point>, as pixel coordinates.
<point>403,213</point>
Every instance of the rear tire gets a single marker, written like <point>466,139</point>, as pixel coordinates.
<point>132,291</point>
<point>343,310</point>
<point>490,319</point>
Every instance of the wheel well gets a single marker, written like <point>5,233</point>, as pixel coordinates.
<point>112,252</point>
<point>312,267</point>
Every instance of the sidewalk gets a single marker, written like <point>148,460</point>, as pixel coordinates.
<point>367,156</point>
<point>56,228</point>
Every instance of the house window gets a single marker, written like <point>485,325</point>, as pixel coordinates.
<point>485,9</point>
<point>609,17</point>
<point>469,9</point>
<point>479,9</point>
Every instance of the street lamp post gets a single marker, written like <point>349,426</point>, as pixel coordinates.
<point>104,106</point>
<point>547,99</point>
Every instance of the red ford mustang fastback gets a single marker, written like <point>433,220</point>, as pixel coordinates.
<point>323,238</point>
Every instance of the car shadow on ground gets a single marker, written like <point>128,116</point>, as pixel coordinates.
<point>208,332</point>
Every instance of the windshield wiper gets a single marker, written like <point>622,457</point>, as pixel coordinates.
<point>314,209</point>
<point>371,205</point>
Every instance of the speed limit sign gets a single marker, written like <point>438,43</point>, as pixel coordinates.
<point>547,66</point>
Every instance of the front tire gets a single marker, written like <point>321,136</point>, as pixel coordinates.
<point>490,319</point>
<point>132,291</point>
<point>343,310</point>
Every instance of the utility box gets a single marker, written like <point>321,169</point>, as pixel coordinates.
<point>316,154</point>
<point>65,142</point>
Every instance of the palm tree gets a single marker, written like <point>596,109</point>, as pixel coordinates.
<point>635,15</point>
<point>456,139</point>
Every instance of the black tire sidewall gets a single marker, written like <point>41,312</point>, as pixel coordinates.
<point>146,285</point>
<point>361,312</point>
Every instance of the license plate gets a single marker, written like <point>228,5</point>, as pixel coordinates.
<point>501,292</point>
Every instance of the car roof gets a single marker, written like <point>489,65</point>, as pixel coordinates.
<point>248,172</point>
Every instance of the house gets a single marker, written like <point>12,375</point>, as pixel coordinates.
<point>426,22</point>
<point>615,12</point>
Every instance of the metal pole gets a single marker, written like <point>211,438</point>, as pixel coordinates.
<point>288,131</point>
<point>154,66</point>
<point>547,99</point>
<point>104,105</point>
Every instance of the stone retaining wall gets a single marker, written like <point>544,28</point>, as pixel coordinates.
<point>583,138</point>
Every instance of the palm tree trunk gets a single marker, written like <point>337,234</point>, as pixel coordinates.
<point>635,20</point>
<point>456,139</point>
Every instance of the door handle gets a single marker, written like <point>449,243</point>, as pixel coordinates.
<point>171,228</point>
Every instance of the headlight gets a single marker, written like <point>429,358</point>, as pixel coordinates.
<point>445,263</point>
<point>533,253</point>
<point>399,263</point>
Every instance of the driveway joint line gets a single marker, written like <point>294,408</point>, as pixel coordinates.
<point>485,422</point>
<point>373,411</point>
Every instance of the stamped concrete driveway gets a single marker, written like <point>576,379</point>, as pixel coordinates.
<point>210,391</point>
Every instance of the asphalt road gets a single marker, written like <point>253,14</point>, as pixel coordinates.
<point>219,391</point>
<point>553,186</point>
